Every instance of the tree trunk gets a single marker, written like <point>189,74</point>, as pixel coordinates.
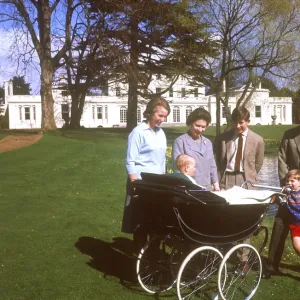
<point>77,109</point>
<point>44,23</point>
<point>218,110</point>
<point>48,121</point>
<point>133,75</point>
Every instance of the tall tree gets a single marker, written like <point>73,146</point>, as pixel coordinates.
<point>37,23</point>
<point>158,37</point>
<point>91,58</point>
<point>255,39</point>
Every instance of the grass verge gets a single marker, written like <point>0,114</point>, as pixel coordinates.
<point>61,209</point>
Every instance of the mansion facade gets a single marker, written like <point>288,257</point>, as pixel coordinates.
<point>110,108</point>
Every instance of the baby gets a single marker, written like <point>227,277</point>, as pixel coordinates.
<point>186,165</point>
<point>293,205</point>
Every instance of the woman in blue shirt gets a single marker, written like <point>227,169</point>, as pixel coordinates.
<point>146,152</point>
<point>193,143</point>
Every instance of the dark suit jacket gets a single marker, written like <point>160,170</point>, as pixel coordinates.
<point>289,153</point>
<point>253,153</point>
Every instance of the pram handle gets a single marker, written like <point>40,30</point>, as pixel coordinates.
<point>285,188</point>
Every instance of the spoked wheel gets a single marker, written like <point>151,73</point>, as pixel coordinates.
<point>198,274</point>
<point>239,280</point>
<point>157,262</point>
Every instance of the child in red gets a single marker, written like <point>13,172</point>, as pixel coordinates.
<point>293,205</point>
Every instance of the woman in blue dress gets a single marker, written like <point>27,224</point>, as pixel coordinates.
<point>146,152</point>
<point>193,143</point>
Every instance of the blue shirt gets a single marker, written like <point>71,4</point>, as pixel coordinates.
<point>293,205</point>
<point>146,150</point>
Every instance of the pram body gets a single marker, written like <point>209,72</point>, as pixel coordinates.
<point>178,214</point>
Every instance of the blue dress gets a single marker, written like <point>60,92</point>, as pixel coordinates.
<point>146,152</point>
<point>206,170</point>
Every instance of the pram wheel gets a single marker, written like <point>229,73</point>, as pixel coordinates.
<point>157,262</point>
<point>239,280</point>
<point>198,274</point>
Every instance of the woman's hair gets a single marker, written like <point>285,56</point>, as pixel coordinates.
<point>152,104</point>
<point>295,174</point>
<point>183,160</point>
<point>240,113</point>
<point>198,114</point>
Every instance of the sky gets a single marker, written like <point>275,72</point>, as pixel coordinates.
<point>8,67</point>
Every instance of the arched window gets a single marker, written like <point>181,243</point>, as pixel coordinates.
<point>188,110</point>
<point>176,114</point>
<point>138,115</point>
<point>123,114</point>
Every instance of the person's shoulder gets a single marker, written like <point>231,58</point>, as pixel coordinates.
<point>255,135</point>
<point>292,133</point>
<point>139,128</point>
<point>206,140</point>
<point>181,137</point>
<point>226,134</point>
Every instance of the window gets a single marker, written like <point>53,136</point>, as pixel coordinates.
<point>284,112</point>
<point>158,90</point>
<point>224,111</point>
<point>171,92</point>
<point>118,91</point>
<point>196,92</point>
<point>182,92</point>
<point>138,115</point>
<point>188,110</point>
<point>27,113</point>
<point>65,112</point>
<point>176,114</point>
<point>99,112</point>
<point>257,111</point>
<point>123,114</point>
<point>33,111</point>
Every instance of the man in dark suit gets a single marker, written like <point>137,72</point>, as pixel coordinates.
<point>288,159</point>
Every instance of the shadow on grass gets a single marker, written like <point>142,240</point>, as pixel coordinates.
<point>112,259</point>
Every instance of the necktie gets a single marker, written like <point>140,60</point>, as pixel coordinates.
<point>238,157</point>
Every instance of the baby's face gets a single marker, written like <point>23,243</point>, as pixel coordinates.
<point>293,183</point>
<point>191,168</point>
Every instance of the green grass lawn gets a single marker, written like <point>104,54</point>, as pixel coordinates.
<point>61,209</point>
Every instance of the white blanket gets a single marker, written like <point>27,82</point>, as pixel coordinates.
<point>238,195</point>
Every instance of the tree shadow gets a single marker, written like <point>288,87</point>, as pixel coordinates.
<point>112,259</point>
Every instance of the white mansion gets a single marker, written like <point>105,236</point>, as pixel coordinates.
<point>110,109</point>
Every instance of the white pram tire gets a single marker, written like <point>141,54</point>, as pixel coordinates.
<point>236,279</point>
<point>198,274</point>
<point>154,265</point>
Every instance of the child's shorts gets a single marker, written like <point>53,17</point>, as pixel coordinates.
<point>295,230</point>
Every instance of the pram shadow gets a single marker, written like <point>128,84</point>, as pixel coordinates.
<point>293,268</point>
<point>111,258</point>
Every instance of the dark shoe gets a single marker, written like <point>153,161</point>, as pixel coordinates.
<point>270,270</point>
